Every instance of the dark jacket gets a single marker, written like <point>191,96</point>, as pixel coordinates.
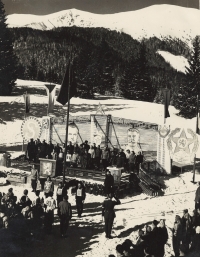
<point>65,208</point>
<point>109,181</point>
<point>197,195</point>
<point>108,207</point>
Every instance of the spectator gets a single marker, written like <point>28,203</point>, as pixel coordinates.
<point>195,246</point>
<point>34,178</point>
<point>80,198</point>
<point>197,197</point>
<point>59,193</point>
<point>68,159</point>
<point>74,160</point>
<point>163,237</point>
<point>77,149</point>
<point>86,146</point>
<point>57,150</point>
<point>98,153</point>
<point>92,156</point>
<point>177,235</point>
<point>44,149</point>
<point>131,161</point>
<point>70,148</point>
<point>85,160</point>
<point>108,183</point>
<point>187,226</point>
<point>50,205</point>
<point>105,157</point>
<point>113,158</point>
<point>31,150</point>
<point>65,215</point>
<point>120,160</point>
<point>119,250</point>
<point>138,161</point>
<point>48,187</point>
<point>50,148</point>
<point>109,214</point>
<point>25,204</point>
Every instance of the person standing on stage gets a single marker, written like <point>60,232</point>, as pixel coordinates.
<point>80,198</point>
<point>109,214</point>
<point>108,183</point>
<point>65,214</point>
<point>59,193</point>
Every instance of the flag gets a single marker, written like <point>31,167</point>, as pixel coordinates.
<point>63,94</point>
<point>197,125</point>
<point>27,103</point>
<point>51,90</point>
<point>166,94</point>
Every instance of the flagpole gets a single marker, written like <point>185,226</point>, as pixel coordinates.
<point>67,123</point>
<point>197,128</point>
<point>24,119</point>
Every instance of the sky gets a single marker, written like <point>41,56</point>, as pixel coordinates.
<point>42,7</point>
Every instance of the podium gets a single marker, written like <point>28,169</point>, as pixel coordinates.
<point>116,173</point>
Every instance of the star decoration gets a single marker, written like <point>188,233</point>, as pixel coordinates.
<point>182,142</point>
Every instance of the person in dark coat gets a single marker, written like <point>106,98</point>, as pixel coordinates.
<point>108,183</point>
<point>109,214</point>
<point>162,240</point>
<point>154,241</point>
<point>131,161</point>
<point>186,221</point>
<point>177,235</point>
<point>138,161</point>
<point>195,246</point>
<point>31,150</point>
<point>59,193</point>
<point>98,153</point>
<point>120,160</point>
<point>197,197</point>
<point>65,215</point>
<point>80,198</point>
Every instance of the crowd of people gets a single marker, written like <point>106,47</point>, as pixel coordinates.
<point>39,211</point>
<point>151,240</point>
<point>84,155</point>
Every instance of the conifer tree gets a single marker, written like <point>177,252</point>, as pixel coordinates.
<point>144,90</point>
<point>190,86</point>
<point>8,62</point>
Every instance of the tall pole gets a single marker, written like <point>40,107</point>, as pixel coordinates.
<point>24,119</point>
<point>67,123</point>
<point>197,131</point>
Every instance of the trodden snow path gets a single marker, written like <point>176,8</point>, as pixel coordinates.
<point>86,235</point>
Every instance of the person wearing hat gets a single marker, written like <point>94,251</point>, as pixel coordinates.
<point>163,237</point>
<point>109,214</point>
<point>65,214</point>
<point>197,197</point>
<point>74,160</point>
<point>195,246</point>
<point>177,235</point>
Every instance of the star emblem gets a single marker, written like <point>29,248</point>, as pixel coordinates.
<point>182,143</point>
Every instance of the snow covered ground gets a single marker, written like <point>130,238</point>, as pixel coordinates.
<point>134,211</point>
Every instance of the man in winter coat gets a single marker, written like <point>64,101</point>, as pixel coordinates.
<point>34,178</point>
<point>65,215</point>
<point>105,158</point>
<point>109,214</point>
<point>80,198</point>
<point>131,161</point>
<point>31,150</point>
<point>197,197</point>
<point>108,183</point>
<point>50,205</point>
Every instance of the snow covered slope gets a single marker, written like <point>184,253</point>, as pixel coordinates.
<point>157,20</point>
<point>179,63</point>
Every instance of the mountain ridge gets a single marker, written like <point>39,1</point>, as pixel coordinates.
<point>157,20</point>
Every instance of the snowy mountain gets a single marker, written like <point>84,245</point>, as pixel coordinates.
<point>157,20</point>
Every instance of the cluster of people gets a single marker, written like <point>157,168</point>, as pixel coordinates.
<point>84,155</point>
<point>39,211</point>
